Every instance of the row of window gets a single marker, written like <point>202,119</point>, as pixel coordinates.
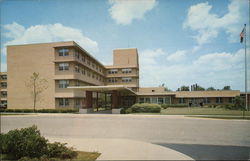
<point>79,56</point>
<point>124,71</point>
<point>205,100</point>
<point>155,100</point>
<point>78,69</point>
<point>112,80</point>
<point>65,102</point>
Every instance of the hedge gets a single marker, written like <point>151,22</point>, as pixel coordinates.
<point>28,143</point>
<point>144,108</point>
<point>173,105</point>
<point>41,110</point>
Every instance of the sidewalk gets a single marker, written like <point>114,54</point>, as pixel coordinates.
<point>123,149</point>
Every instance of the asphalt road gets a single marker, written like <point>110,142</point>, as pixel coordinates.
<point>198,138</point>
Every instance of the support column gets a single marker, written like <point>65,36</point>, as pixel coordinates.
<point>97,101</point>
<point>115,100</point>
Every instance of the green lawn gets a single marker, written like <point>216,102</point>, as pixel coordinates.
<point>81,155</point>
<point>10,114</point>
<point>202,111</point>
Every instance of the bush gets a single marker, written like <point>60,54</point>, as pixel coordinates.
<point>69,110</point>
<point>123,111</point>
<point>145,107</point>
<point>165,106</point>
<point>28,144</point>
<point>60,150</point>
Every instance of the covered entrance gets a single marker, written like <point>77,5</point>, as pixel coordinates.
<point>115,97</point>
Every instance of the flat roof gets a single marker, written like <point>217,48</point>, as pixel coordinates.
<point>103,88</point>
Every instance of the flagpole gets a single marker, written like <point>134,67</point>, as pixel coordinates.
<point>245,36</point>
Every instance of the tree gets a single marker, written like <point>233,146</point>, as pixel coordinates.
<point>226,88</point>
<point>211,89</point>
<point>239,103</point>
<point>200,88</point>
<point>183,88</point>
<point>36,84</point>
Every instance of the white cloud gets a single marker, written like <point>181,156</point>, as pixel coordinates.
<point>211,69</point>
<point>208,25</point>
<point>178,56</point>
<point>148,57</point>
<point>125,11</point>
<point>47,33</point>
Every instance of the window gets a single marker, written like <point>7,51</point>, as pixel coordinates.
<point>83,71</point>
<point>4,93</point>
<point>63,83</point>
<point>4,84</point>
<point>88,73</point>
<point>112,80</point>
<point>77,69</point>
<point>83,58</point>
<point>154,100</point>
<point>127,70</point>
<point>168,100</point>
<point>231,99</point>
<point>77,83</point>
<point>63,52</point>
<point>126,79</point>
<point>77,102</point>
<point>77,54</point>
<point>93,65</point>
<point>113,71</point>
<point>3,77</point>
<point>160,100</point>
<point>96,77</point>
<point>206,100</point>
<point>219,100</point>
<point>141,100</point>
<point>153,90</point>
<point>88,61</point>
<point>63,66</point>
<point>93,75</point>
<point>147,100</point>
<point>63,102</point>
<point>182,100</point>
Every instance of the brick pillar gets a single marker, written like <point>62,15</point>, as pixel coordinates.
<point>89,99</point>
<point>115,100</point>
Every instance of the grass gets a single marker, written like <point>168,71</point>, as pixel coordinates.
<point>202,111</point>
<point>81,155</point>
<point>10,114</point>
<point>224,117</point>
<point>87,156</point>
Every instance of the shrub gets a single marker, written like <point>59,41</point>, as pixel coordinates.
<point>129,110</point>
<point>146,107</point>
<point>28,144</point>
<point>41,110</point>
<point>60,150</point>
<point>123,111</point>
<point>165,106</point>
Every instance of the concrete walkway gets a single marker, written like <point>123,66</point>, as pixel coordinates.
<point>123,149</point>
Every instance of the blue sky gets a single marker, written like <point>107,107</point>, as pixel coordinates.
<point>180,42</point>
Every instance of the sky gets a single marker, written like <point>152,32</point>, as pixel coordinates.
<point>180,42</point>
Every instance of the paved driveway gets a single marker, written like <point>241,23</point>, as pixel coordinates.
<point>176,132</point>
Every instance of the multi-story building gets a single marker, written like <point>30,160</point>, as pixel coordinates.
<point>75,79</point>
<point>3,89</point>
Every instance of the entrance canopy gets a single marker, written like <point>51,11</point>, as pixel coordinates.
<point>107,88</point>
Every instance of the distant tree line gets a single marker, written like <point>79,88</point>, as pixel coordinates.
<point>197,87</point>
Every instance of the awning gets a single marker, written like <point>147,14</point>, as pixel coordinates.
<point>105,88</point>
